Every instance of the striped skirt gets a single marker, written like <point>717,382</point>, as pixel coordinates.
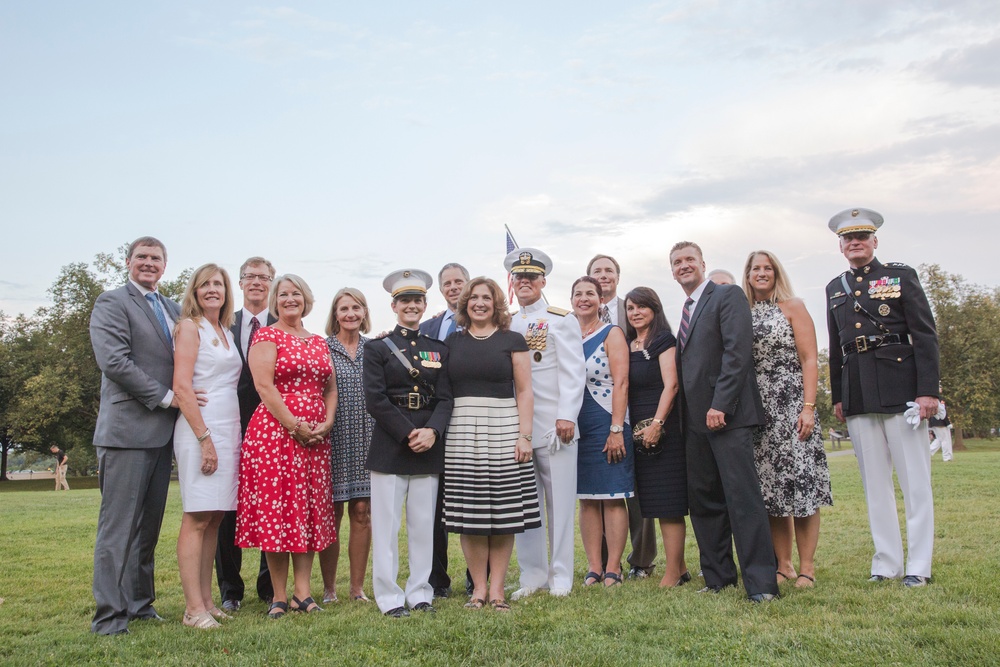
<point>487,492</point>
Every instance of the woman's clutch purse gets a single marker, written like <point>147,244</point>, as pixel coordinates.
<point>640,447</point>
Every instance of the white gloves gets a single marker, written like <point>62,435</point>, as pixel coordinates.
<point>912,413</point>
<point>553,442</point>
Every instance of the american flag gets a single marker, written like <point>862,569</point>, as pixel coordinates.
<point>511,246</point>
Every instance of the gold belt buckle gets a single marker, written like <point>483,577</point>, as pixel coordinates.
<point>861,342</point>
<point>413,400</point>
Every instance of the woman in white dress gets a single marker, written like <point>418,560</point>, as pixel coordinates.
<point>207,433</point>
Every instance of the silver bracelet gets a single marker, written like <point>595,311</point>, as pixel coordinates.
<point>204,436</point>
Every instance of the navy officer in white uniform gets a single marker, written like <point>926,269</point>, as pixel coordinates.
<point>558,371</point>
<point>884,355</point>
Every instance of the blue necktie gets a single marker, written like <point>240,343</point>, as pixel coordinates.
<point>160,317</point>
<point>449,326</point>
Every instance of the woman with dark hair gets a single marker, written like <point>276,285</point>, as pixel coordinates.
<point>490,493</point>
<point>605,474</point>
<point>206,437</point>
<point>660,461</point>
<point>788,448</point>
<point>349,441</point>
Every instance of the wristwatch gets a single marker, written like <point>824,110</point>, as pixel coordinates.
<point>526,436</point>
<point>615,428</point>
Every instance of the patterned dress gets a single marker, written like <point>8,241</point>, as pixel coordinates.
<point>352,430</point>
<point>794,476</point>
<point>285,491</point>
<point>596,479</point>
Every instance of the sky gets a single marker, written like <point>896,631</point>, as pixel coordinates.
<point>346,140</point>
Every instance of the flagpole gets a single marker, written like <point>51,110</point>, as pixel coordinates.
<point>510,283</point>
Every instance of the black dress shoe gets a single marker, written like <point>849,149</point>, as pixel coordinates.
<point>150,617</point>
<point>716,589</point>
<point>113,633</point>
<point>230,605</point>
<point>915,581</point>
<point>639,572</point>
<point>398,612</point>
<point>425,607</point>
<point>757,598</point>
<point>442,592</point>
<point>877,578</point>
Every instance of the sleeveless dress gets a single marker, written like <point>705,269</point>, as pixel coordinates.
<point>351,435</point>
<point>286,490</point>
<point>217,371</point>
<point>486,492</point>
<point>794,476</point>
<point>596,479</point>
<point>660,479</point>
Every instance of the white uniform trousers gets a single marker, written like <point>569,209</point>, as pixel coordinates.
<point>389,493</point>
<point>555,475</point>
<point>942,441</point>
<point>882,442</point>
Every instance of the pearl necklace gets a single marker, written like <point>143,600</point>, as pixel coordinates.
<point>482,337</point>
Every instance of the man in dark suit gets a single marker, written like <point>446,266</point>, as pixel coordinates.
<point>606,270</point>
<point>256,275</point>
<point>131,332</point>
<point>451,279</point>
<point>720,406</point>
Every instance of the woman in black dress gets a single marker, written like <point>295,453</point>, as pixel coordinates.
<point>489,492</point>
<point>660,462</point>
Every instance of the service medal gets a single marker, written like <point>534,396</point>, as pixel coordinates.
<point>538,356</point>
<point>883,310</point>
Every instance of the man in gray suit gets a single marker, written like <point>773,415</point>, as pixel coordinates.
<point>606,270</point>
<point>131,332</point>
<point>720,405</point>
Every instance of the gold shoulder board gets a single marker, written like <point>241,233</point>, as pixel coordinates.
<point>561,312</point>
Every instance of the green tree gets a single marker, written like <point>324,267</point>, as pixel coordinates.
<point>968,319</point>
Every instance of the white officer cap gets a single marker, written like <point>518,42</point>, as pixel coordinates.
<point>407,281</point>
<point>528,260</point>
<point>855,220</point>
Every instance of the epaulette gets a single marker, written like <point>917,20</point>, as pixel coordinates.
<point>555,310</point>
<point>896,265</point>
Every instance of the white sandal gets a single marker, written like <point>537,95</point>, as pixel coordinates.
<point>202,621</point>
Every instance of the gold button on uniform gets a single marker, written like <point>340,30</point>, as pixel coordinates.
<point>899,359</point>
<point>857,325</point>
<point>416,388</point>
<point>415,357</point>
<point>857,293</point>
<point>413,342</point>
<point>859,279</point>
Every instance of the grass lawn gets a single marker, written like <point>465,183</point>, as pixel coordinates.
<point>46,543</point>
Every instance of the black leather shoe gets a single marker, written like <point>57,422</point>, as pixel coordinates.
<point>639,572</point>
<point>757,598</point>
<point>425,607</point>
<point>877,578</point>
<point>230,605</point>
<point>915,581</point>
<point>442,592</point>
<point>398,612</point>
<point>150,617</point>
<point>715,590</point>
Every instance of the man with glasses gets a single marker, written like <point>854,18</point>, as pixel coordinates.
<point>884,381</point>
<point>558,371</point>
<point>256,275</point>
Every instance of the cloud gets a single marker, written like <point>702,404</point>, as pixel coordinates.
<point>972,66</point>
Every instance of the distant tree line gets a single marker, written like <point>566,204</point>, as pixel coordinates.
<point>49,381</point>
<point>50,384</point>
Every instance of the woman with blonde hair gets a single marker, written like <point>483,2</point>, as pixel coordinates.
<point>207,435</point>
<point>285,495</point>
<point>788,448</point>
<point>349,441</point>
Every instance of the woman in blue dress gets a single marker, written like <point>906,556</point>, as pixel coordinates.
<point>605,474</point>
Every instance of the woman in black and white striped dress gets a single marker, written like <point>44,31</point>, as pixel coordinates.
<point>489,492</point>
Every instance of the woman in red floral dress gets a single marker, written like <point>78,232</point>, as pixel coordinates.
<point>285,493</point>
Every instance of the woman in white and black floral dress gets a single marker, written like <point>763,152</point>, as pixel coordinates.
<point>349,441</point>
<point>788,448</point>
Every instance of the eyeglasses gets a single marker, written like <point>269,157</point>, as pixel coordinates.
<point>250,277</point>
<point>530,277</point>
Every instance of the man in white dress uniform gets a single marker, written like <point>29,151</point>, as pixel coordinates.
<point>558,371</point>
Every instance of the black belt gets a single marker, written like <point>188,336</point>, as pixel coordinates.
<point>866,343</point>
<point>412,401</point>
